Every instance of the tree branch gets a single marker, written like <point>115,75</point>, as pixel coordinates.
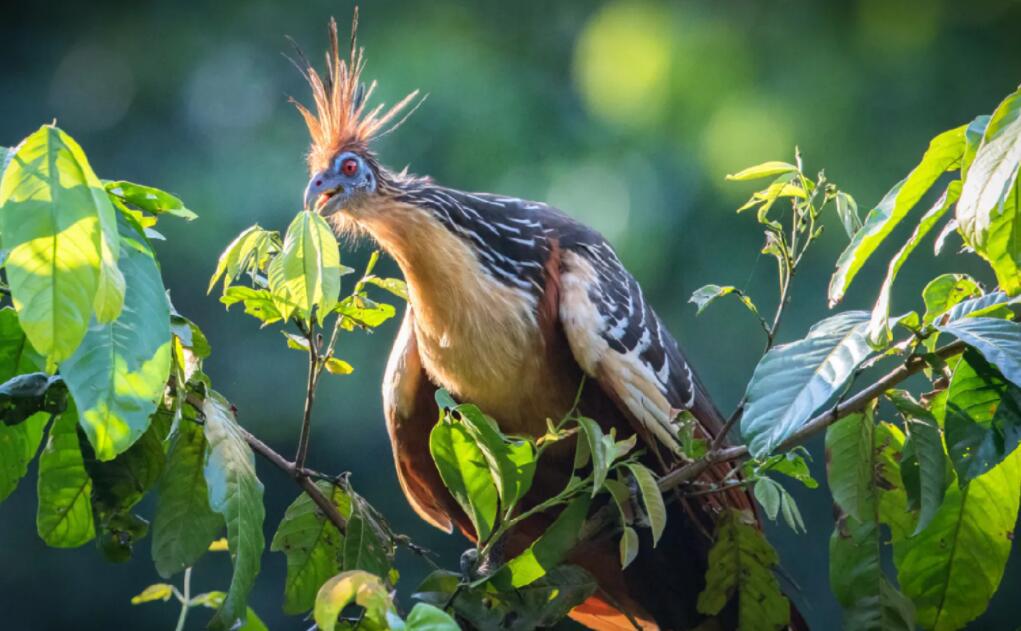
<point>820,422</point>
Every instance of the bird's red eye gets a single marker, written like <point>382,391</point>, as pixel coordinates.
<point>349,167</point>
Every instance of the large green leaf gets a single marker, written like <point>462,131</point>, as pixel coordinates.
<point>858,475</point>
<point>184,524</point>
<point>944,153</point>
<point>945,291</point>
<point>236,493</point>
<point>312,544</point>
<point>741,564</point>
<point>149,199</point>
<point>546,552</point>
<point>793,381</point>
<point>924,463</point>
<point>425,617</point>
<point>306,273</point>
<point>118,374</point>
<point>511,462</point>
<point>999,341</point>
<point>55,219</point>
<point>982,418</point>
<point>879,334</point>
<point>119,484</point>
<point>465,473</point>
<point>987,213</point>
<point>64,518</point>
<point>18,445</point>
<point>952,569</point>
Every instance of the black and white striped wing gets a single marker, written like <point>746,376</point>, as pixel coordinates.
<point>618,340</point>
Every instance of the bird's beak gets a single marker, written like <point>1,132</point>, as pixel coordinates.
<point>323,187</point>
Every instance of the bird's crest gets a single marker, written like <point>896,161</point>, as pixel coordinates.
<point>341,118</point>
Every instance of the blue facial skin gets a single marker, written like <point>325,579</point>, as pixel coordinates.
<point>343,187</point>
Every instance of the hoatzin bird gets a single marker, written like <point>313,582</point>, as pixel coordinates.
<point>510,303</point>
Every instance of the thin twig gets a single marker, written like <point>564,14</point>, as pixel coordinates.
<point>310,394</point>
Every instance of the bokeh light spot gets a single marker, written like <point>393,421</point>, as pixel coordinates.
<point>92,88</point>
<point>229,90</point>
<point>595,195</point>
<point>622,64</point>
<point>898,26</point>
<point>743,132</point>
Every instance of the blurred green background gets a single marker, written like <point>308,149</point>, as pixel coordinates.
<point>625,114</point>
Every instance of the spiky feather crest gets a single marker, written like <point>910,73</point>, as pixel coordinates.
<point>341,120</point>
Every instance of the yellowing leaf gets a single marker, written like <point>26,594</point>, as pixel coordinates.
<point>156,591</point>
<point>220,545</point>
<point>358,587</point>
<point>766,169</point>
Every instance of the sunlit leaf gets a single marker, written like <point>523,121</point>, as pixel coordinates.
<point>704,296</point>
<point>982,418</point>
<point>546,552</point>
<point>235,492</point>
<point>395,286</point>
<point>337,366</point>
<point>953,567</point>
<point>156,591</point>
<point>360,311</point>
<point>741,564</point>
<point>945,291</point>
<point>249,251</point>
<point>766,169</point>
<point>879,334</point>
<point>999,341</point>
<point>847,212</point>
<point>988,210</point>
<point>354,587</point>
<point>511,461</point>
<point>464,471</point>
<point>118,373</point>
<point>306,273</point>
<point>150,199</point>
<point>258,303</point>
<point>793,381</point>
<point>53,210</point>
<point>64,517</point>
<point>184,524</point>
<point>944,153</point>
<point>312,544</point>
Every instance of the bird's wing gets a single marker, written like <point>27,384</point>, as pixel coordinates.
<point>411,413</point>
<point>619,341</point>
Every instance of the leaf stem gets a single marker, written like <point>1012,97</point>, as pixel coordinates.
<point>185,600</point>
<point>310,393</point>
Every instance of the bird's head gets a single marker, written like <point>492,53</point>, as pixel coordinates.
<point>346,182</point>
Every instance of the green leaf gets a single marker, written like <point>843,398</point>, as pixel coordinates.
<point>258,303</point>
<point>64,517</point>
<point>312,544</point>
<point>546,552</point>
<point>357,310</point>
<point>945,291</point>
<point>338,366</point>
<point>879,334</point>
<point>18,445</point>
<point>425,617</point>
<point>793,381</point>
<point>870,602</point>
<point>860,472</point>
<point>214,600</point>
<point>150,199</point>
<point>741,564</point>
<point>118,374</point>
<point>652,499</point>
<point>987,212</point>
<point>952,569</point>
<point>983,417</point>
<point>306,274</point>
<point>54,215</point>
<point>465,473</point>
<point>705,295</point>
<point>999,341</point>
<point>367,545</point>
<point>628,546</point>
<point>847,212</point>
<point>184,524</point>
<point>395,286</point>
<point>511,462</point>
<point>766,169</point>
<point>354,587</point>
<point>119,484</point>
<point>973,140</point>
<point>236,493</point>
<point>792,465</point>
<point>154,592</point>
<point>250,251</point>
<point>597,448</point>
<point>767,492</point>
<point>995,304</point>
<point>925,446</point>
<point>944,153</point>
